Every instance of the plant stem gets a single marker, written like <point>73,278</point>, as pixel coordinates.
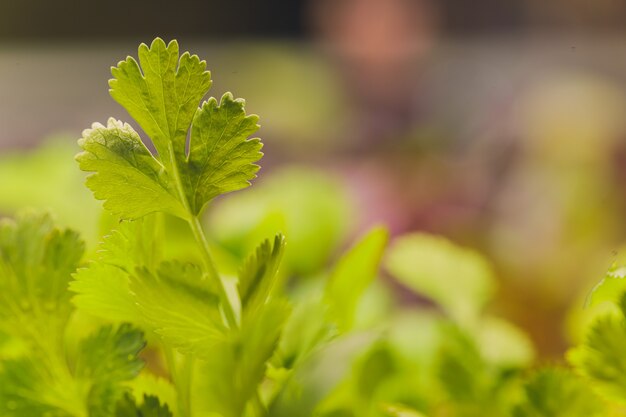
<point>198,234</point>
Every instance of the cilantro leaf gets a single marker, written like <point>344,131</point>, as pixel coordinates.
<point>221,158</point>
<point>151,407</point>
<point>178,302</point>
<point>162,95</point>
<point>90,387</point>
<point>102,288</point>
<point>601,356</point>
<point>611,287</point>
<point>107,359</point>
<point>130,180</point>
<point>147,384</point>
<point>557,392</point>
<point>258,274</point>
<point>352,274</point>
<point>21,387</point>
<point>235,368</point>
<point>36,262</point>
<point>110,354</point>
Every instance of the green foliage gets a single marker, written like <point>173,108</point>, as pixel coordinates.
<point>353,273</point>
<point>420,261</point>
<point>308,206</point>
<point>292,333</point>
<point>42,178</point>
<point>43,383</point>
<point>36,261</point>
<point>178,305</point>
<point>557,392</point>
<point>162,93</point>
<point>601,357</point>
<point>611,287</point>
<point>258,275</point>
<point>150,408</point>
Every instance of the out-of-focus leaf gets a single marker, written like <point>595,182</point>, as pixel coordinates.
<point>308,206</point>
<point>36,263</point>
<point>611,287</point>
<point>557,392</point>
<point>149,385</point>
<point>459,279</point>
<point>503,344</point>
<point>43,179</point>
<point>150,407</point>
<point>103,362</point>
<point>102,288</point>
<point>258,275</point>
<point>234,368</point>
<point>352,275</point>
<point>601,356</point>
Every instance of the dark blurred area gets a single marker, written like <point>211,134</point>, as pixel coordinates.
<point>41,20</point>
<point>499,124</point>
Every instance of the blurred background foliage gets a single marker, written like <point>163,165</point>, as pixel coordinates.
<point>499,125</point>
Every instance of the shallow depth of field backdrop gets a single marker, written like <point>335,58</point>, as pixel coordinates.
<point>501,125</point>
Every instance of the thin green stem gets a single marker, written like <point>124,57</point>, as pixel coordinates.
<point>198,234</point>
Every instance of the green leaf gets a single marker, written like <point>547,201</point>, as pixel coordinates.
<point>42,177</point>
<point>27,391</point>
<point>104,291</point>
<point>149,385</point>
<point>258,275</point>
<point>601,356</point>
<point>305,331</point>
<point>103,287</point>
<point>107,359</point>
<point>503,344</point>
<point>461,368</point>
<point>91,387</point>
<point>235,368</point>
<point>126,175</point>
<point>110,354</point>
<point>36,262</point>
<point>611,287</point>
<point>221,158</point>
<point>179,303</point>
<point>132,244</point>
<point>459,279</point>
<point>285,202</point>
<point>557,392</point>
<point>151,407</point>
<point>353,273</point>
<point>163,95</point>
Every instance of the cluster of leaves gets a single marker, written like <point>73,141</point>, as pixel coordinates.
<point>229,327</point>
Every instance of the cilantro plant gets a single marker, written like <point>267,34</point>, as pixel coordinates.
<point>214,345</point>
<point>165,319</point>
